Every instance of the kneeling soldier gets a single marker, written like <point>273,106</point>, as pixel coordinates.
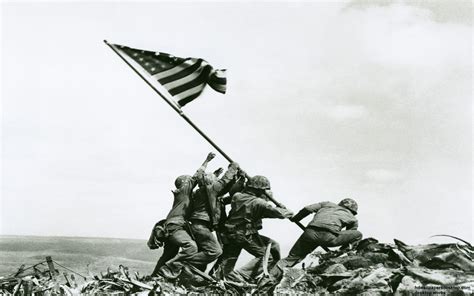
<point>326,230</point>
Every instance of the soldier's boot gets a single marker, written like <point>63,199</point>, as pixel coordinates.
<point>170,271</point>
<point>235,276</point>
<point>267,285</point>
<point>349,247</point>
<point>189,278</point>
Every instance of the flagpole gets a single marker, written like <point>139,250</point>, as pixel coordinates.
<point>175,108</point>
<point>180,112</point>
<point>142,77</point>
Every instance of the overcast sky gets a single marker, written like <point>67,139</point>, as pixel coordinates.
<point>369,100</point>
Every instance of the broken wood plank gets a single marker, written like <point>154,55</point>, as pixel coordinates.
<point>266,257</point>
<point>52,271</point>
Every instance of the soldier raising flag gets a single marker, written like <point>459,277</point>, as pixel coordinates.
<point>180,77</point>
<point>183,80</point>
<point>248,208</point>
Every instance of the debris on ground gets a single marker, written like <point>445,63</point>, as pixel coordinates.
<point>42,279</point>
<point>371,268</point>
<point>374,268</point>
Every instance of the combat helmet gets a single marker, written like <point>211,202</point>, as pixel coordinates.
<point>350,204</point>
<point>259,182</point>
<point>181,180</point>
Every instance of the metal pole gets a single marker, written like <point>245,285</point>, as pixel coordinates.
<point>180,112</point>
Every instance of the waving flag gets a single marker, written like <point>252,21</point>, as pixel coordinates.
<point>183,78</point>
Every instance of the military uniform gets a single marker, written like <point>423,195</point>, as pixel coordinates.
<point>179,244</point>
<point>324,230</point>
<point>204,217</point>
<point>242,225</point>
<point>228,259</point>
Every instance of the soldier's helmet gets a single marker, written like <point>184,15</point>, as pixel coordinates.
<point>350,204</point>
<point>259,182</point>
<point>181,180</point>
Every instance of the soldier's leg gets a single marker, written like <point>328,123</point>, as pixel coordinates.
<point>306,243</point>
<point>169,251</point>
<point>346,237</point>
<point>187,246</point>
<point>208,246</point>
<point>185,242</point>
<point>274,251</point>
<point>226,262</point>
<point>255,246</point>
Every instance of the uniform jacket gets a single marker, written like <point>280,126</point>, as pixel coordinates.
<point>247,212</point>
<point>182,196</point>
<point>204,205</point>
<point>329,216</point>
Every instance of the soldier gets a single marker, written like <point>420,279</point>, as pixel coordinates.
<point>175,224</point>
<point>324,230</point>
<point>225,261</point>
<point>204,217</point>
<point>248,208</point>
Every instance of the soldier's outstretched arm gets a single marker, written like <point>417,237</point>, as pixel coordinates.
<point>306,211</point>
<point>202,169</point>
<point>220,186</point>
<point>203,166</point>
<point>267,211</point>
<point>209,157</point>
<point>218,172</point>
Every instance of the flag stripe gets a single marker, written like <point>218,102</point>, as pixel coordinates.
<point>191,91</point>
<point>199,80</point>
<point>218,88</point>
<point>188,99</point>
<point>186,63</point>
<point>217,80</point>
<point>218,84</point>
<point>184,72</point>
<point>184,80</point>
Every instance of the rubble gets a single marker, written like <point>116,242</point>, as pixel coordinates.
<point>372,268</point>
<point>375,268</point>
<point>40,281</point>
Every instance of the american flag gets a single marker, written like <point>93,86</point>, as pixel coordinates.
<point>183,78</point>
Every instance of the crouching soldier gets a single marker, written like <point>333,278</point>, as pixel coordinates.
<point>326,229</point>
<point>248,208</point>
<point>178,238</point>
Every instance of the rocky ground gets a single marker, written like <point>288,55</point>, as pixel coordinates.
<point>384,269</point>
<point>372,268</point>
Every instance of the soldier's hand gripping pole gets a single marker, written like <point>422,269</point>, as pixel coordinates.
<point>282,206</point>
